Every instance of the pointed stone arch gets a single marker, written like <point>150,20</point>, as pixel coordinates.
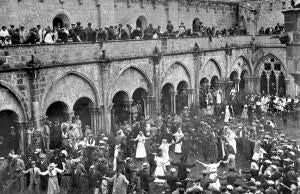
<point>211,69</point>
<point>273,74</point>
<point>74,85</point>
<point>241,64</point>
<point>180,70</point>
<point>258,67</point>
<point>129,79</point>
<point>11,99</point>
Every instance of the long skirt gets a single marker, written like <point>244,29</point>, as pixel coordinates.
<point>53,187</point>
<point>244,114</point>
<point>227,117</point>
<point>178,148</point>
<point>159,171</point>
<point>140,150</point>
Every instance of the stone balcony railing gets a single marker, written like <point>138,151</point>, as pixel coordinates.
<point>16,56</point>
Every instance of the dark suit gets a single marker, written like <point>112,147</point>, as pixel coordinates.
<point>35,179</point>
<point>145,180</point>
<point>95,180</point>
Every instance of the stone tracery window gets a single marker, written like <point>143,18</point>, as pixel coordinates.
<point>272,77</point>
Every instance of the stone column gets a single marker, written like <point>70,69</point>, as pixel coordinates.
<point>173,102</point>
<point>130,115</point>
<point>268,84</point>
<point>93,120</point>
<point>191,99</point>
<point>156,58</point>
<point>277,83</point>
<point>237,84</point>
<point>288,87</point>
<point>248,84</point>
<point>21,127</point>
<point>108,118</point>
<point>197,67</point>
<point>256,84</point>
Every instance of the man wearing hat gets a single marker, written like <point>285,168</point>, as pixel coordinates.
<point>145,178</point>
<point>128,169</point>
<point>18,165</point>
<point>94,180</point>
<point>42,164</point>
<point>172,179</point>
<point>34,180</point>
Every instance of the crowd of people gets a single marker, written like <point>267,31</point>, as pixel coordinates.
<point>278,29</point>
<point>185,153</point>
<point>77,33</point>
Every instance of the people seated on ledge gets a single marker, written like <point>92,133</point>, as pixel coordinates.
<point>77,33</point>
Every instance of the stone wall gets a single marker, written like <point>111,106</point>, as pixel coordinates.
<point>73,71</point>
<point>30,13</point>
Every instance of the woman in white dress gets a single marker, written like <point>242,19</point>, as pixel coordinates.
<point>245,112</point>
<point>53,187</point>
<point>160,167</point>
<point>230,137</point>
<point>227,114</point>
<point>164,147</point>
<point>140,150</point>
<point>178,141</point>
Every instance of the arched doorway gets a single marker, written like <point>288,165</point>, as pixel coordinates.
<point>242,83</point>
<point>166,100</point>
<point>196,25</point>
<point>82,109</point>
<point>233,77</point>
<point>57,111</point>
<point>272,77</point>
<point>9,136</point>
<point>141,22</point>
<point>120,109</point>
<point>204,84</point>
<point>182,96</point>
<point>61,20</point>
<point>139,104</point>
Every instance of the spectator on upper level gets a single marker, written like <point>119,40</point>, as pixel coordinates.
<point>48,37</point>
<point>136,33</point>
<point>73,34</point>
<point>170,27</point>
<point>80,33</point>
<point>55,33</point>
<point>32,37</point>
<point>126,32</point>
<point>261,31</point>
<point>23,34</point>
<point>111,33</point>
<point>64,34</point>
<point>39,34</point>
<point>4,36</point>
<point>181,31</point>
<point>15,37</point>
<point>89,32</point>
<point>4,32</point>
<point>11,30</point>
<point>148,32</point>
<point>103,34</point>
